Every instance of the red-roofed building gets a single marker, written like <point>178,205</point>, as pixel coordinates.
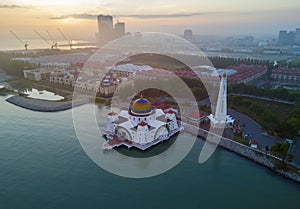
<point>253,144</point>
<point>290,75</point>
<point>247,73</point>
<point>194,118</point>
<point>160,105</point>
<point>112,113</point>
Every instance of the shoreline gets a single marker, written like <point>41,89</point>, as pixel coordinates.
<point>44,105</point>
<point>259,157</point>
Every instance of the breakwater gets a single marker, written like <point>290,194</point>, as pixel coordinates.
<point>43,105</point>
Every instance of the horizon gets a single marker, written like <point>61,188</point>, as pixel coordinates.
<point>216,18</point>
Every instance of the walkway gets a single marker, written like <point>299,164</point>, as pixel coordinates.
<point>263,98</point>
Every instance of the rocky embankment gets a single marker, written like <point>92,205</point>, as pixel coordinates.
<point>257,156</point>
<point>43,105</point>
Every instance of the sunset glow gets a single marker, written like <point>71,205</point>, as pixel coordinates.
<point>213,17</point>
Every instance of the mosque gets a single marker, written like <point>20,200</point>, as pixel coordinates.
<point>141,126</point>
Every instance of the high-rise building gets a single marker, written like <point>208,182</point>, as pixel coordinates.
<point>283,38</point>
<point>188,34</point>
<point>297,36</point>
<point>119,29</point>
<point>291,37</point>
<point>288,38</point>
<point>106,31</point>
<point>105,23</point>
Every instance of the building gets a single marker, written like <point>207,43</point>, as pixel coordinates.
<point>253,144</point>
<point>62,77</point>
<point>52,65</point>
<point>289,38</point>
<point>37,74</point>
<point>247,73</point>
<point>106,31</point>
<point>188,35</point>
<point>62,61</point>
<point>108,85</point>
<point>194,118</point>
<point>87,82</point>
<point>297,36</point>
<point>289,75</point>
<point>119,29</point>
<point>141,126</point>
<point>283,38</point>
<point>126,70</point>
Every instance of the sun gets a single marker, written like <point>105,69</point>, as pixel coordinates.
<point>70,20</point>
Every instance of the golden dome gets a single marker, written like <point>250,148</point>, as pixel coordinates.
<point>141,106</point>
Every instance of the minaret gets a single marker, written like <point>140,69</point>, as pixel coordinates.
<point>219,119</point>
<point>221,109</point>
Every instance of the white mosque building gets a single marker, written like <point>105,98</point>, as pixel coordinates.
<point>141,127</point>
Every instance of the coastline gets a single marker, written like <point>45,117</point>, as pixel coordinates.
<point>259,157</point>
<point>43,105</point>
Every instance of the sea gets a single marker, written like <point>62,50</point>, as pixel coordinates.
<point>42,165</point>
<point>11,44</point>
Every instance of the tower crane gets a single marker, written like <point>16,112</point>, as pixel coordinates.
<point>25,44</point>
<point>43,38</point>
<point>65,37</point>
<point>54,43</point>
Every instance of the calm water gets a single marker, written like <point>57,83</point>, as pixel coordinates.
<point>43,166</point>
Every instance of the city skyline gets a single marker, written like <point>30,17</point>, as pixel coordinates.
<point>204,18</point>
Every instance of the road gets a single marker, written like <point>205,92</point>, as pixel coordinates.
<point>258,134</point>
<point>253,128</point>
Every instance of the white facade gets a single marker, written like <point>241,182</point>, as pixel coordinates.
<point>141,131</point>
<point>36,74</point>
<point>221,119</point>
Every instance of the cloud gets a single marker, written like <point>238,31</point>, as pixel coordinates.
<point>155,16</point>
<point>77,16</point>
<point>138,16</point>
<point>11,6</point>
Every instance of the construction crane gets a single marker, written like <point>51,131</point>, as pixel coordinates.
<point>25,44</point>
<point>64,36</point>
<point>43,38</point>
<point>54,43</point>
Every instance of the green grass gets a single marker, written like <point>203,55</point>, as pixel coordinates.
<point>278,110</point>
<point>238,138</point>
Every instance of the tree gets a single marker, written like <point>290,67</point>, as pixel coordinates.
<point>257,108</point>
<point>288,129</point>
<point>280,149</point>
<point>291,157</point>
<point>268,116</point>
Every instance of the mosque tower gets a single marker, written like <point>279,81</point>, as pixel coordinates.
<point>219,119</point>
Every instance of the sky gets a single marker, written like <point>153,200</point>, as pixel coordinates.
<point>77,18</point>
